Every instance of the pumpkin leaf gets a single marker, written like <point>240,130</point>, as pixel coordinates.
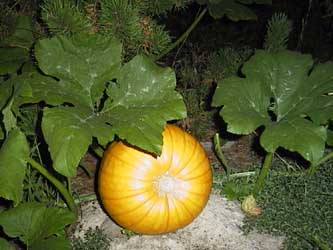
<point>23,34</point>
<point>14,49</point>
<point>329,140</point>
<point>233,9</point>
<point>35,224</point>
<point>9,120</point>
<point>11,59</point>
<point>13,166</point>
<point>287,95</point>
<point>52,243</point>
<point>141,100</point>
<point>33,87</point>
<point>83,62</point>
<point>140,97</point>
<point>68,131</point>
<point>299,135</point>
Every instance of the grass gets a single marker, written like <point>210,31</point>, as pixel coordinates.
<point>298,206</point>
<point>94,239</point>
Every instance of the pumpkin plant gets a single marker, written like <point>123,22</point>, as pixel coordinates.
<point>287,97</point>
<point>86,95</point>
<point>154,195</point>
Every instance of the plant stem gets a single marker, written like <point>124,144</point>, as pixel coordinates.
<point>241,174</point>
<point>263,173</point>
<point>85,197</point>
<point>61,188</point>
<point>183,36</point>
<point>220,155</point>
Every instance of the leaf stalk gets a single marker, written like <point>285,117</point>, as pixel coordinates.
<point>263,173</point>
<point>220,155</point>
<point>183,36</point>
<point>61,188</point>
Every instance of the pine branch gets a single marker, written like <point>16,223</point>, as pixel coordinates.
<point>157,7</point>
<point>64,17</point>
<point>122,20</point>
<point>278,30</point>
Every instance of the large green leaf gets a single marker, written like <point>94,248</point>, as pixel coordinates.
<point>33,87</point>
<point>11,59</point>
<point>68,132</point>
<point>231,9</point>
<point>9,119</point>
<point>285,93</point>
<point>13,154</point>
<point>140,97</point>
<point>298,135</point>
<point>52,243</point>
<point>141,101</point>
<point>84,61</point>
<point>23,35</point>
<point>14,49</point>
<point>36,224</point>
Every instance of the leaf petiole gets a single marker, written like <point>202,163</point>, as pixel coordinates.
<point>61,188</point>
<point>263,173</point>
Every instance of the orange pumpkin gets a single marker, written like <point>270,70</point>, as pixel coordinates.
<point>155,195</point>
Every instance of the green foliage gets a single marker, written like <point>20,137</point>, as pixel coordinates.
<point>157,7</point>
<point>14,48</point>
<point>137,31</point>
<point>226,62</point>
<point>122,20</point>
<point>64,17</point>
<point>299,207</point>
<point>83,74</point>
<point>37,226</point>
<point>94,239</point>
<point>37,189</point>
<point>234,10</point>
<point>13,154</point>
<point>279,93</point>
<point>278,30</point>
<point>156,38</point>
<point>7,19</point>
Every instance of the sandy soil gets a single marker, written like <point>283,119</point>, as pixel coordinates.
<point>218,227</point>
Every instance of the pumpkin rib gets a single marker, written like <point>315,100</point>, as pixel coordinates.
<point>147,211</point>
<point>197,165</point>
<point>196,176</point>
<point>127,196</point>
<point>128,163</point>
<point>184,164</point>
<point>181,205</point>
<point>139,206</point>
